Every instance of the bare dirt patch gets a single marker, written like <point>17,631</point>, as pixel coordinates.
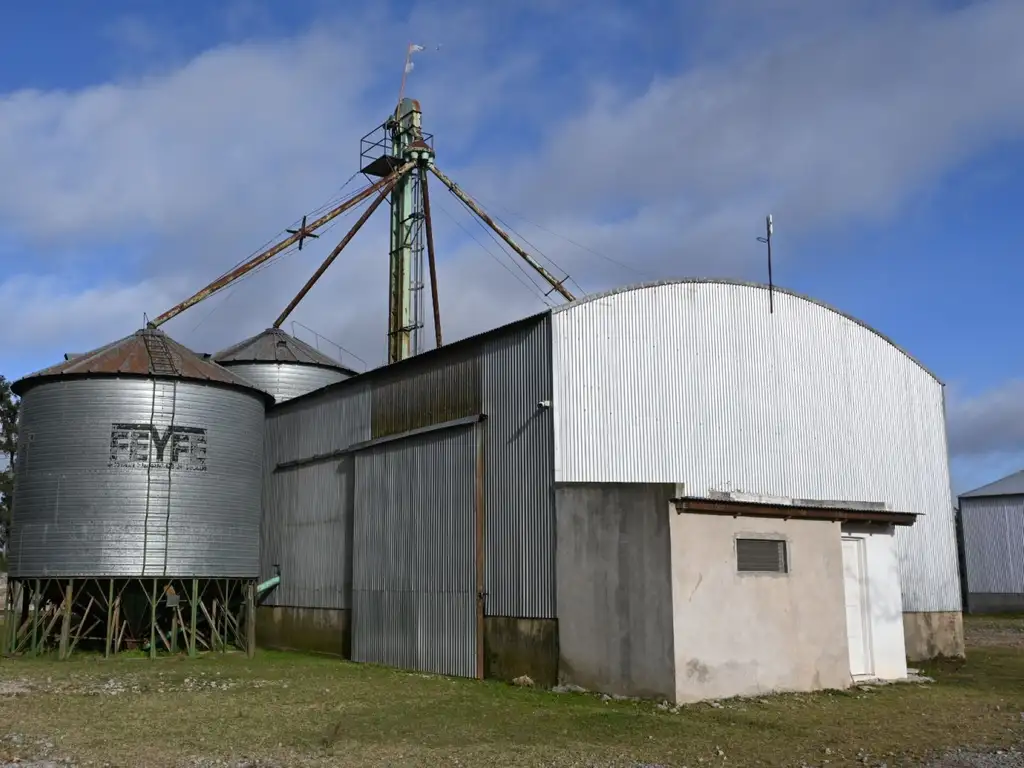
<point>995,631</point>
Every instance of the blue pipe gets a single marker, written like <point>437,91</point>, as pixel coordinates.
<point>267,585</point>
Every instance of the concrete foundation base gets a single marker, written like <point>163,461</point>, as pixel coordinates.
<point>515,647</point>
<point>313,630</point>
<point>934,635</point>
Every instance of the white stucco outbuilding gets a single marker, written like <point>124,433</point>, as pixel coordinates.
<point>760,423</point>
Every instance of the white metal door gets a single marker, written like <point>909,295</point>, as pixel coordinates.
<point>858,630</point>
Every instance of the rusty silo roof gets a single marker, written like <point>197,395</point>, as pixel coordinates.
<point>147,352</point>
<point>275,346</point>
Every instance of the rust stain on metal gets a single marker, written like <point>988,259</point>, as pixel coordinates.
<point>431,262</point>
<point>469,201</point>
<point>426,396</point>
<point>384,192</point>
<point>147,352</point>
<point>737,508</point>
<point>268,254</point>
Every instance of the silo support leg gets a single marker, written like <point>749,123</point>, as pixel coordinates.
<point>9,619</point>
<point>65,627</point>
<point>35,619</point>
<point>152,623</point>
<point>250,620</point>
<point>195,608</point>
<point>211,620</point>
<point>110,620</point>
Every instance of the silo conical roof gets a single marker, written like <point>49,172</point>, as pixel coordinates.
<point>147,352</point>
<point>275,346</point>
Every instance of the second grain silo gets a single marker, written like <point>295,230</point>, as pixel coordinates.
<point>137,502</point>
<point>282,365</point>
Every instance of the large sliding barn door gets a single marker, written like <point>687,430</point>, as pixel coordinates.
<point>414,553</point>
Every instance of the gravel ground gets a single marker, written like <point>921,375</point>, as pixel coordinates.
<point>992,632</point>
<point>965,758</point>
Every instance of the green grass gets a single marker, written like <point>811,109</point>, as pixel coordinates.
<point>302,710</point>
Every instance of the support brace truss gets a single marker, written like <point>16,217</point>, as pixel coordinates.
<point>296,236</point>
<point>111,615</point>
<point>454,188</point>
<point>384,192</point>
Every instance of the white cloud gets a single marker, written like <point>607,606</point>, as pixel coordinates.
<point>206,161</point>
<point>845,122</point>
<point>988,423</point>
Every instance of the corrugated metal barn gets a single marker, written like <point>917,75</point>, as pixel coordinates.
<point>412,509</point>
<point>992,541</point>
<point>374,497</point>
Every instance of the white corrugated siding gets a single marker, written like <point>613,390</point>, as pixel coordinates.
<point>994,543</point>
<point>697,383</point>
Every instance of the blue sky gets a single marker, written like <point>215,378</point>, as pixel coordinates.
<point>148,147</point>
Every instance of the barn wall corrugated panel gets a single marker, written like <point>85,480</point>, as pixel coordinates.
<point>442,388</point>
<point>520,517</point>
<point>994,543</point>
<point>131,477</point>
<point>414,580</point>
<point>311,540</point>
<point>697,383</point>
<point>285,381</point>
<point>307,509</point>
<point>319,424</point>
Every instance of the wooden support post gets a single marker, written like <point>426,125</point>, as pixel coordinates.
<point>9,618</point>
<point>152,623</point>
<point>25,593</point>
<point>174,633</point>
<point>250,619</point>
<point>195,611</point>
<point>215,640</point>
<point>81,626</point>
<point>37,606</point>
<point>65,627</point>
<point>116,624</point>
<point>227,615</point>
<point>110,620</point>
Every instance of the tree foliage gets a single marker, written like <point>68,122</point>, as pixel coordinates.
<point>8,454</point>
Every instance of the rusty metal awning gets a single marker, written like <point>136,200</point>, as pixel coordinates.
<point>799,510</point>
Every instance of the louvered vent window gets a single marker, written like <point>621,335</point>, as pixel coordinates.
<point>761,556</point>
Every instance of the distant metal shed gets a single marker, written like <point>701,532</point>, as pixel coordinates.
<point>991,523</point>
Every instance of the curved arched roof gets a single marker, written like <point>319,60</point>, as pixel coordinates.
<point>745,284</point>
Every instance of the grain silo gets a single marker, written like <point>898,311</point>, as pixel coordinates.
<point>137,501</point>
<point>282,365</point>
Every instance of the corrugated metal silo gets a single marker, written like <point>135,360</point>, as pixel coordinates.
<point>282,365</point>
<point>137,495</point>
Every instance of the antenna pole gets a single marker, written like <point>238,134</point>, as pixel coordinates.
<point>261,258</point>
<point>769,229</point>
<point>384,192</point>
<point>431,263</point>
<point>457,191</point>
